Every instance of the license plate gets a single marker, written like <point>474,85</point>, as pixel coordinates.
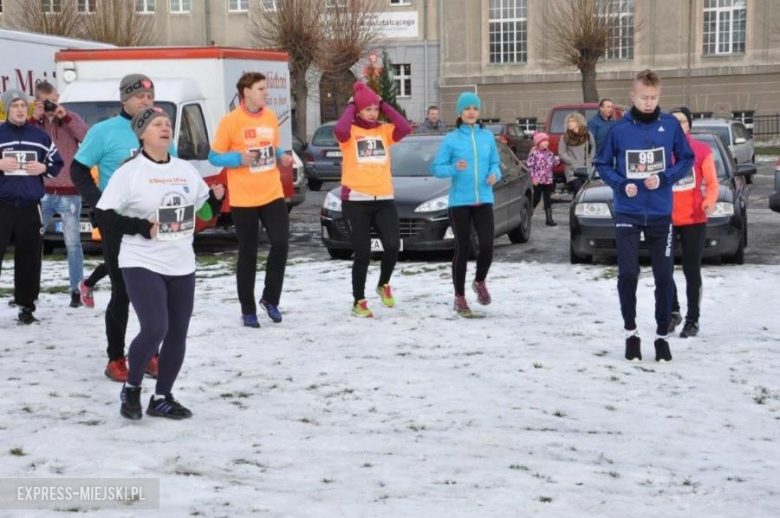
<point>333,154</point>
<point>376,245</point>
<point>84,227</point>
<point>642,236</point>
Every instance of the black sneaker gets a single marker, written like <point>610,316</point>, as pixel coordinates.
<point>662,352</point>
<point>634,349</point>
<point>167,407</point>
<point>689,329</point>
<point>131,403</point>
<point>26,317</point>
<point>75,299</point>
<point>674,321</point>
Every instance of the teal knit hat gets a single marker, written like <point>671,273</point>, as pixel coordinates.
<point>467,99</point>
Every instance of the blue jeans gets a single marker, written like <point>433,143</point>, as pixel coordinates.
<point>69,209</point>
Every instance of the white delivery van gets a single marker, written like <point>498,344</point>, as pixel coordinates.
<point>195,85</point>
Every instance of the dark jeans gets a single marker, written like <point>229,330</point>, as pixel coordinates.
<point>575,186</point>
<point>659,243</point>
<point>23,226</point>
<point>118,308</point>
<point>277,225</point>
<point>543,191</point>
<point>164,305</point>
<point>462,219</point>
<point>692,238</point>
<point>361,216</point>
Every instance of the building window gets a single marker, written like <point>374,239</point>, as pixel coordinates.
<point>527,124</point>
<point>620,14</point>
<point>269,5</point>
<point>725,26</point>
<point>238,6</point>
<point>51,6</point>
<point>180,6</point>
<point>86,6</point>
<point>330,4</point>
<point>1,6</point>
<point>400,2</point>
<point>508,28</point>
<point>144,6</point>
<point>402,77</point>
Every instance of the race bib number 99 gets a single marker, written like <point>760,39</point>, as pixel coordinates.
<point>371,150</point>
<point>176,222</point>
<point>23,157</point>
<point>640,164</point>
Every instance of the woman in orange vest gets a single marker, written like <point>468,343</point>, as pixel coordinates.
<point>247,144</point>
<point>367,188</point>
<point>689,217</point>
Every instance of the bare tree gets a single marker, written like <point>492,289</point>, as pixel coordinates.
<point>58,18</point>
<point>579,33</point>
<point>118,22</point>
<point>295,27</point>
<point>349,27</point>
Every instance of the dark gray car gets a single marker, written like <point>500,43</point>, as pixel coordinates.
<point>322,157</point>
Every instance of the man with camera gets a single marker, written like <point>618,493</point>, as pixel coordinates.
<point>67,130</point>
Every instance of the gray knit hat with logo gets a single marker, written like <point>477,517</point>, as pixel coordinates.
<point>134,84</point>
<point>10,96</point>
<point>142,119</point>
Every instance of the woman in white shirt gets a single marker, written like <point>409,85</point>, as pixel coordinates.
<point>152,200</point>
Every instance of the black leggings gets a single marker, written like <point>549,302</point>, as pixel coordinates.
<point>99,273</point>
<point>164,305</point>
<point>692,238</point>
<point>118,308</point>
<point>461,221</point>
<point>361,216</point>
<point>23,226</point>
<point>543,190</point>
<point>277,226</point>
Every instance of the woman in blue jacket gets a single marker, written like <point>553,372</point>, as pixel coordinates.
<point>469,157</point>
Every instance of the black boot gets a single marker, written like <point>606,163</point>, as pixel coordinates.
<point>548,218</point>
<point>75,299</point>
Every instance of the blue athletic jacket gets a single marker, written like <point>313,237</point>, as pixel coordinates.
<point>632,151</point>
<point>21,191</point>
<point>476,146</point>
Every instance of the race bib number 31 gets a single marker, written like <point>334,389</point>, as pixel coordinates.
<point>640,164</point>
<point>176,222</point>
<point>371,150</point>
<point>23,157</point>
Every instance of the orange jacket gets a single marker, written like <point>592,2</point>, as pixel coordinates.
<point>689,203</point>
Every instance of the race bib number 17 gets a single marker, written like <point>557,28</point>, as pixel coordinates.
<point>176,222</point>
<point>640,164</point>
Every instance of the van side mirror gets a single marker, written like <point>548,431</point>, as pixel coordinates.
<point>739,140</point>
<point>745,170</point>
<point>581,172</point>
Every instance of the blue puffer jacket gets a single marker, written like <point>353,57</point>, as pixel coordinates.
<point>477,147</point>
<point>629,137</point>
<point>21,191</point>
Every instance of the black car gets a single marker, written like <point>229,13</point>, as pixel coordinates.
<point>774,198</point>
<point>512,135</point>
<point>422,202</point>
<point>593,226</point>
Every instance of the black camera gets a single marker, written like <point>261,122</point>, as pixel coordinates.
<point>49,106</point>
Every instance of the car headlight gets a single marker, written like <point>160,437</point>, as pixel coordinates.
<point>592,210</point>
<point>332,203</point>
<point>723,208</point>
<point>436,204</point>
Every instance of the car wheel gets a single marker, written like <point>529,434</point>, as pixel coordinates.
<point>314,184</point>
<point>574,258</point>
<point>522,233</point>
<point>340,253</point>
<point>739,256</point>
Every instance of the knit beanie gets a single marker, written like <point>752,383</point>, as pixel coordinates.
<point>364,96</point>
<point>142,119</point>
<point>134,84</point>
<point>685,111</point>
<point>540,137</point>
<point>467,99</point>
<point>10,96</point>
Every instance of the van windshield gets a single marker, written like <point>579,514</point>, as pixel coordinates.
<point>559,118</point>
<point>94,112</point>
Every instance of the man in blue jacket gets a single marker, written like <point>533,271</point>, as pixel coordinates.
<point>644,154</point>
<point>26,154</point>
<point>600,123</point>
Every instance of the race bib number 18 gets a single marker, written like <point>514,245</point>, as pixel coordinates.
<point>176,222</point>
<point>640,164</point>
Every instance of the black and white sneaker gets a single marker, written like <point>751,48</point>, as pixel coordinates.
<point>26,317</point>
<point>634,349</point>
<point>662,352</point>
<point>675,320</point>
<point>131,403</point>
<point>689,329</point>
<point>167,407</point>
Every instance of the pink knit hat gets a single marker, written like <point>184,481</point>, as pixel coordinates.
<point>540,137</point>
<point>364,96</point>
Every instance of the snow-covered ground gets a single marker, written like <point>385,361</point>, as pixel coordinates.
<point>529,411</point>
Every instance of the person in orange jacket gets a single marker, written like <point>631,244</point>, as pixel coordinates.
<point>689,217</point>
